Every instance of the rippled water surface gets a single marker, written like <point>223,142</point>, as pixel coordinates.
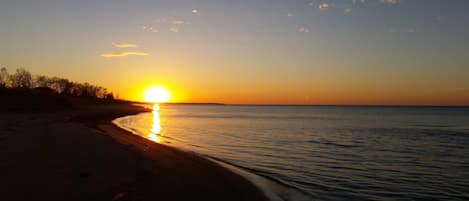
<point>330,153</point>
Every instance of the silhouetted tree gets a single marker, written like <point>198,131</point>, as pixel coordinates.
<point>22,78</point>
<point>66,86</point>
<point>41,81</point>
<point>4,78</point>
<point>109,96</point>
<point>59,84</point>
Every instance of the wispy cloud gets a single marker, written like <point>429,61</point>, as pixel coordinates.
<point>304,29</point>
<point>124,45</point>
<point>178,22</point>
<point>195,11</point>
<point>358,1</point>
<point>348,10</point>
<point>150,29</point>
<point>123,54</point>
<point>171,24</point>
<point>289,14</point>
<point>174,29</point>
<point>323,6</point>
<point>390,1</point>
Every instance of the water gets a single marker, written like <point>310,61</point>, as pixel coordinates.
<point>329,153</point>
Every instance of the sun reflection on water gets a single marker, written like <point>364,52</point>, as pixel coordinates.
<point>156,126</point>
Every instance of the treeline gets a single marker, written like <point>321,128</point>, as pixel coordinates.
<point>22,79</point>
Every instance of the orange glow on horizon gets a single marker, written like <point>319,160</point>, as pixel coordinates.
<point>291,93</point>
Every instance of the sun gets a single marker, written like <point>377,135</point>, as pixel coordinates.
<point>156,94</point>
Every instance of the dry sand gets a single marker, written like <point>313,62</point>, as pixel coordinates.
<point>80,155</point>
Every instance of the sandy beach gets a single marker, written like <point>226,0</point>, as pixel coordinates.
<point>78,154</point>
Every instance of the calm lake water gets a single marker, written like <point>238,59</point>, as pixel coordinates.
<point>329,153</point>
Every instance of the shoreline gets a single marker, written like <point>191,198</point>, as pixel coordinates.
<point>144,147</point>
<point>81,155</point>
<point>273,189</point>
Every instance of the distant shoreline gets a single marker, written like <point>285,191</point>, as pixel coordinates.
<point>395,106</point>
<point>313,105</point>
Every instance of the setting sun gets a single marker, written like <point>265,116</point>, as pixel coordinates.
<point>156,94</point>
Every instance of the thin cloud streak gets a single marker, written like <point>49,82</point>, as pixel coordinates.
<point>123,54</point>
<point>178,22</point>
<point>174,29</point>
<point>171,24</point>
<point>124,45</point>
<point>389,1</point>
<point>323,6</point>
<point>304,29</point>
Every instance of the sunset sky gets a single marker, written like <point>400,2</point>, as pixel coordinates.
<point>258,51</point>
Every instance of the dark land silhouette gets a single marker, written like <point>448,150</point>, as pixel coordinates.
<point>23,92</point>
<point>58,143</point>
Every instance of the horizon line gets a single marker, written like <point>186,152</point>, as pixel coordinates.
<point>299,105</point>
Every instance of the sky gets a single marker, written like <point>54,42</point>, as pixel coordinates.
<point>348,52</point>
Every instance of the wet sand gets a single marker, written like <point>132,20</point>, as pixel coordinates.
<point>80,155</point>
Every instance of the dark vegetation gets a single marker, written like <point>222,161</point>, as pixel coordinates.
<point>22,91</point>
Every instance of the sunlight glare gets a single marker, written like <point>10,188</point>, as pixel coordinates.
<point>156,126</point>
<point>156,94</point>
